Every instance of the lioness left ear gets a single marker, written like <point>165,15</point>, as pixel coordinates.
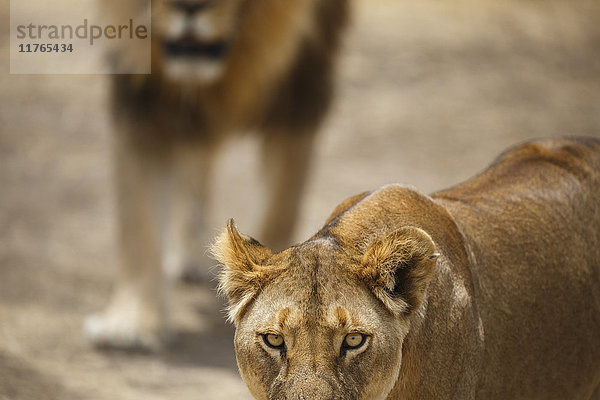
<point>398,268</point>
<point>243,274</point>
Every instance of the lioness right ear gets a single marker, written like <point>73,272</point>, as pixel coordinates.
<point>398,268</point>
<point>242,274</point>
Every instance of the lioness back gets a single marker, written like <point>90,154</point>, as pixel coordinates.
<point>487,290</point>
<point>532,221</point>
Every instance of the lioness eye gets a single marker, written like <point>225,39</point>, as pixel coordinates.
<point>353,340</point>
<point>274,341</point>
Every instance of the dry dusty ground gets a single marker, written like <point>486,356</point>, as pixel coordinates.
<point>430,92</point>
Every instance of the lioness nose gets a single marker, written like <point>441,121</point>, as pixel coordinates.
<point>190,7</point>
<point>311,388</point>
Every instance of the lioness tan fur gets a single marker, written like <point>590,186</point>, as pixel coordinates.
<point>218,67</point>
<point>487,290</point>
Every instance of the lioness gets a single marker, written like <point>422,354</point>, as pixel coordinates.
<point>487,290</point>
<point>218,67</point>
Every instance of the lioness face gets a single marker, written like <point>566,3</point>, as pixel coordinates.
<point>311,322</point>
<point>194,37</point>
<point>316,333</point>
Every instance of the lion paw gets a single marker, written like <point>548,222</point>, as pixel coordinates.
<point>128,328</point>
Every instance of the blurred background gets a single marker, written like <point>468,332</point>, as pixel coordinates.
<point>429,92</point>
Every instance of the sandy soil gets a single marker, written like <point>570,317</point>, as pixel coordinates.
<point>429,93</point>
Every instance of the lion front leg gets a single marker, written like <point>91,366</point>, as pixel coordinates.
<point>184,228</point>
<point>136,314</point>
<point>286,157</point>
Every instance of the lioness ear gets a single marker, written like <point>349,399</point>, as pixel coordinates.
<point>242,273</point>
<point>398,268</point>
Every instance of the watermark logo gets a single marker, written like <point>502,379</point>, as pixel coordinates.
<point>79,37</point>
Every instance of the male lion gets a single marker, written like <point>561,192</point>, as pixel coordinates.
<point>487,290</point>
<point>218,67</point>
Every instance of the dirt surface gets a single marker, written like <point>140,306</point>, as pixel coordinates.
<point>429,93</point>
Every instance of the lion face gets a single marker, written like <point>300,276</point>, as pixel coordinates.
<point>194,37</point>
<point>315,321</point>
